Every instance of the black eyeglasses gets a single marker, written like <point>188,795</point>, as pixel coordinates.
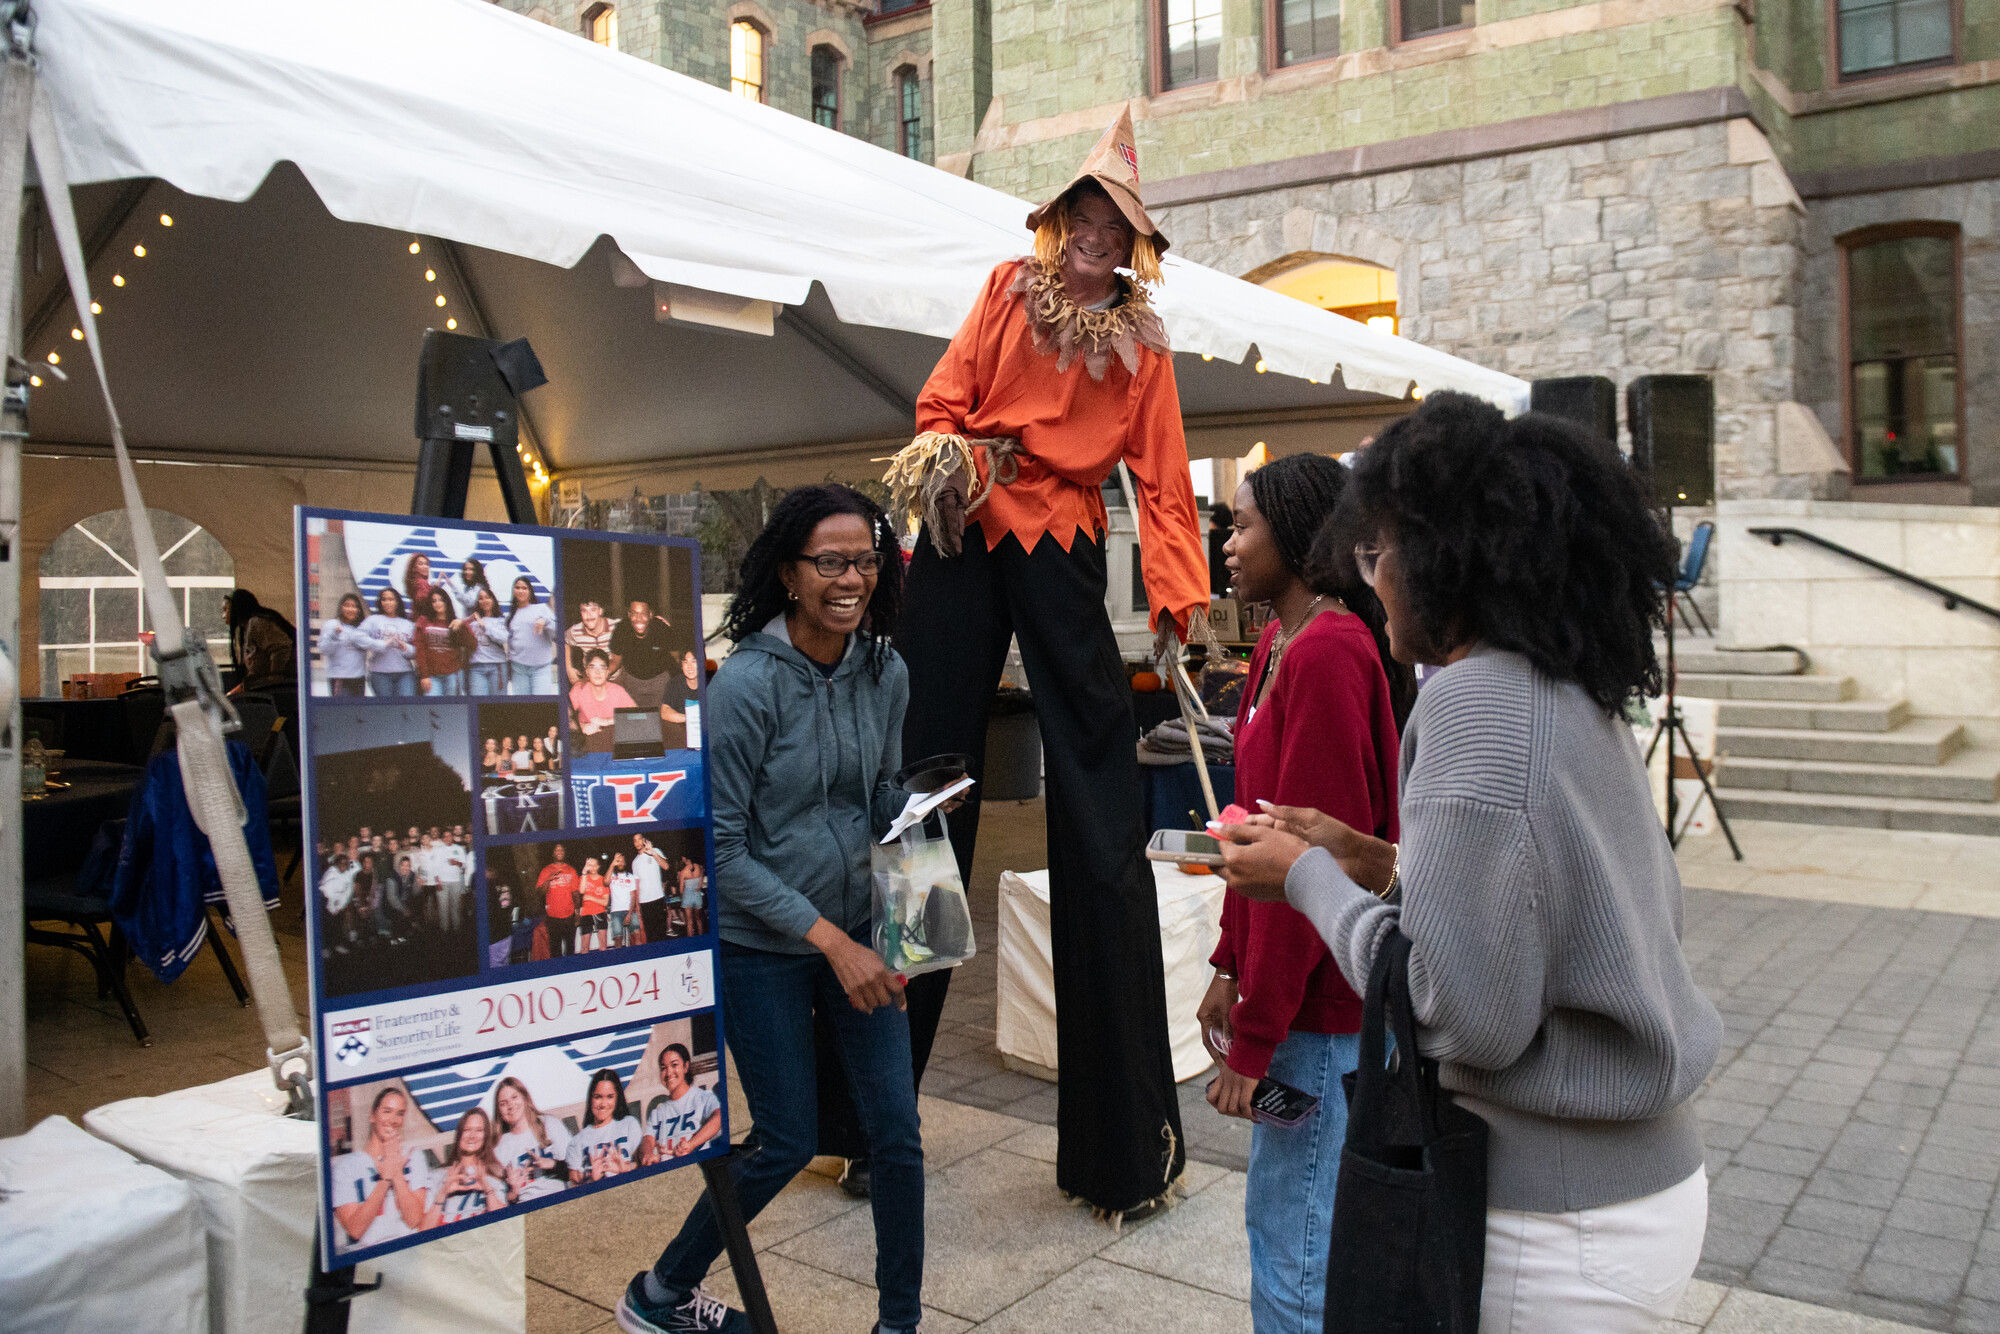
<point>831,564</point>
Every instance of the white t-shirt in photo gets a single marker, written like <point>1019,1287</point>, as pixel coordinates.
<point>647,871</point>
<point>624,1133</point>
<point>337,887</point>
<point>518,1148</point>
<point>355,1179</point>
<point>677,1118</point>
<point>624,891</point>
<point>461,1204</point>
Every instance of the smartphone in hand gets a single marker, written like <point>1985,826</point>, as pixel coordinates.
<point>1276,1104</point>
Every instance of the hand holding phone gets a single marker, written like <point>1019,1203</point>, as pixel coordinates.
<point>1184,845</point>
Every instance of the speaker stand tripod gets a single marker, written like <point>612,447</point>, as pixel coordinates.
<point>1671,725</point>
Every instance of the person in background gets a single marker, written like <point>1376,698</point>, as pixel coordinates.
<point>454,862</point>
<point>1539,892</point>
<point>594,897</point>
<point>343,658</point>
<point>417,580</point>
<point>396,902</point>
<point>531,643</point>
<point>608,1143</point>
<point>624,887</point>
<point>521,761</point>
<point>464,587</point>
<point>538,756</point>
<point>682,726</point>
<point>1221,524</point>
<point>552,744</point>
<point>263,645</point>
<point>558,884</point>
<point>471,1182</point>
<point>1316,727</point>
<point>648,666</point>
<point>428,862</point>
<point>486,674</point>
<point>694,884</point>
<point>594,700</point>
<point>493,765</point>
<point>533,1148</point>
<point>591,633</point>
<point>690,1117</point>
<point>379,1190</point>
<point>444,645</point>
<point>336,891</point>
<point>808,715</point>
<point>649,867</point>
<point>390,640</point>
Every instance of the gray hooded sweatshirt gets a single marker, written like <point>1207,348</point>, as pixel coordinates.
<point>799,769</point>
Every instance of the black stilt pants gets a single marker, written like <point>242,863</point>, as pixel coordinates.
<point>1117,1114</point>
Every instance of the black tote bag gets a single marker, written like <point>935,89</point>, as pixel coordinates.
<point>1408,1243</point>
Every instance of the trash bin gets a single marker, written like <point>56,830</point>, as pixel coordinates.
<point>1013,748</point>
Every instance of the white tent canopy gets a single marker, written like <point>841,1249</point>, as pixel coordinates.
<point>530,167</point>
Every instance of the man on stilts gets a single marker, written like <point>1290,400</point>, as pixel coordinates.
<point>1061,371</point>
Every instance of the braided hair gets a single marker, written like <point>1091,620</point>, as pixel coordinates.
<point>1297,496</point>
<point>760,593</point>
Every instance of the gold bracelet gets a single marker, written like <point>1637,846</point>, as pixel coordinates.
<point>1395,872</point>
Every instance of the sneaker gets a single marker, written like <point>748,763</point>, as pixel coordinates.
<point>697,1313</point>
<point>854,1178</point>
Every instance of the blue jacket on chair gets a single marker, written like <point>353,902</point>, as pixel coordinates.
<point>166,870</point>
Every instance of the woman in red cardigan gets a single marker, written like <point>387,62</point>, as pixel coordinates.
<point>1317,727</point>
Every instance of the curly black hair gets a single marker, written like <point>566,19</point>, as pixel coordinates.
<point>1297,495</point>
<point>760,593</point>
<point>1531,535</point>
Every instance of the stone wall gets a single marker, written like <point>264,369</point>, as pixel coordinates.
<point>1972,206</point>
<point>1664,252</point>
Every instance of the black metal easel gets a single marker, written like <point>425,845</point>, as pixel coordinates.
<point>467,392</point>
<point>1670,725</point>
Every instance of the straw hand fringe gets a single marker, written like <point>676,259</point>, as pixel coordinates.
<point>1057,324</point>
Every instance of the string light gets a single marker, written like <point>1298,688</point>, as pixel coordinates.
<point>139,250</point>
<point>35,380</point>
<point>166,221</point>
<point>430,275</point>
<point>415,249</point>
<point>440,298</point>
<point>451,324</point>
<point>77,334</point>
<point>117,280</point>
<point>1260,368</point>
<point>96,309</point>
<point>55,358</point>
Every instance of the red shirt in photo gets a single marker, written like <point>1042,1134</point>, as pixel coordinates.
<point>558,883</point>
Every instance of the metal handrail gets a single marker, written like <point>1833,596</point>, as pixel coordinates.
<point>1952,601</point>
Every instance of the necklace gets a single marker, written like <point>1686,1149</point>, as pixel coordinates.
<point>1284,639</point>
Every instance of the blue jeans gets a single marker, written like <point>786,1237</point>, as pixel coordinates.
<point>1288,1205</point>
<point>769,999</point>
<point>384,684</point>
<point>525,680</point>
<point>487,678</point>
<point>449,683</point>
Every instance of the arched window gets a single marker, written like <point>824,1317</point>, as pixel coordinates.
<point>92,611</point>
<point>826,87</point>
<point>600,25</point>
<point>1349,287</point>
<point>1901,287</point>
<point>909,113</point>
<point>746,60</point>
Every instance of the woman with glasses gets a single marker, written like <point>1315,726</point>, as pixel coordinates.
<point>808,726</point>
<point>1533,879</point>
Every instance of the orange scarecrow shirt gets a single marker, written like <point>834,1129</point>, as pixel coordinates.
<point>1073,430</point>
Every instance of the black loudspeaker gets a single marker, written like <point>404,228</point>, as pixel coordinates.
<point>1591,401</point>
<point>1672,420</point>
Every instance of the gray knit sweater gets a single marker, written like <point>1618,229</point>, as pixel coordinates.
<point>1543,908</point>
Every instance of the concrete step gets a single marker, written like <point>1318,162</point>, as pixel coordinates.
<point>1736,662</point>
<point>1924,741</point>
<point>1727,685</point>
<point>1969,775</point>
<point>1938,817</point>
<point>1853,715</point>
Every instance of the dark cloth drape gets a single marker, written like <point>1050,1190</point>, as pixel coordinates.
<point>1117,1115</point>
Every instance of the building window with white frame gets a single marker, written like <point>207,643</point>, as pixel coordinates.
<point>909,113</point>
<point>93,607</point>
<point>826,87</point>
<point>600,24</point>
<point>746,60</point>
<point>1190,37</point>
<point>1884,36</point>
<point>1306,30</point>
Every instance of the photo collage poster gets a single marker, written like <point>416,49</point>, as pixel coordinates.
<point>508,911</point>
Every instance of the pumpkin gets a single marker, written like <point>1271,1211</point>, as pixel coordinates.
<point>1146,683</point>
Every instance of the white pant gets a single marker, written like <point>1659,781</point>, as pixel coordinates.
<point>1615,1270</point>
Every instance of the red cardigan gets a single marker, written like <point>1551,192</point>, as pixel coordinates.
<point>1325,737</point>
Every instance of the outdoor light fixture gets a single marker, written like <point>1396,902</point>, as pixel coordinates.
<point>117,280</point>
<point>166,221</point>
<point>415,248</point>
<point>1260,367</point>
<point>430,275</point>
<point>440,298</point>
<point>139,250</point>
<point>96,309</point>
<point>451,324</point>
<point>54,359</point>
<point>77,334</point>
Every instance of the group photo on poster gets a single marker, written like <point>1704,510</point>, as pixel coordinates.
<point>427,1149</point>
<point>420,608</point>
<point>573,896</point>
<point>521,787</point>
<point>393,859</point>
<point>631,661</point>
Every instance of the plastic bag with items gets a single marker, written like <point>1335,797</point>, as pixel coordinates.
<point>922,920</point>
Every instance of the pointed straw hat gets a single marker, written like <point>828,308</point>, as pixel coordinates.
<point>1113,164</point>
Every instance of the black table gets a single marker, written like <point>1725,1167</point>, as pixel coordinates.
<point>56,829</point>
